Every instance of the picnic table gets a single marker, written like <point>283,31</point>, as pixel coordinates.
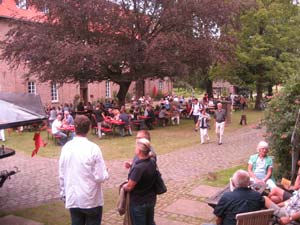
<point>114,124</point>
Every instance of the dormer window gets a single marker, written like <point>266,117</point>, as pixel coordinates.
<point>21,4</point>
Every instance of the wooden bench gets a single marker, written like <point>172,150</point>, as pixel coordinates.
<point>260,217</point>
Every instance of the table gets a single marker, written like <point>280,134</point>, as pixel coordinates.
<point>213,201</point>
<point>114,124</point>
<point>67,129</point>
<point>6,152</point>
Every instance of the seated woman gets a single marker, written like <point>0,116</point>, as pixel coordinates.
<point>163,116</point>
<point>260,166</point>
<point>278,194</point>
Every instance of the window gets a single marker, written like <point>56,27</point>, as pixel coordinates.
<point>31,87</point>
<point>107,89</point>
<point>45,9</point>
<point>54,92</point>
<point>21,4</point>
<point>160,85</point>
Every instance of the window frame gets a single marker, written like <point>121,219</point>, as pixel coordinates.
<point>22,4</point>
<point>54,92</point>
<point>31,87</point>
<point>160,85</point>
<point>107,89</point>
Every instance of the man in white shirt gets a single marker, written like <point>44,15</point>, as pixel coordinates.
<point>56,128</point>
<point>195,110</point>
<point>82,171</point>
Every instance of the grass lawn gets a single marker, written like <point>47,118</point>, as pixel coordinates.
<point>222,177</point>
<point>164,140</point>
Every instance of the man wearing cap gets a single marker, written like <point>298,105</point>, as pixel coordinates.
<point>81,173</point>
<point>260,166</point>
<point>220,117</point>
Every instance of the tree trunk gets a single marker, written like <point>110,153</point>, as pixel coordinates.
<point>139,88</point>
<point>258,100</point>
<point>124,87</point>
<point>209,88</point>
<point>270,90</point>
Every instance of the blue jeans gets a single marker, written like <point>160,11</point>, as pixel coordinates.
<point>92,216</point>
<point>63,136</point>
<point>142,214</point>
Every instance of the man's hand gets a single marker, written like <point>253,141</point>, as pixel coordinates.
<point>284,220</point>
<point>127,165</point>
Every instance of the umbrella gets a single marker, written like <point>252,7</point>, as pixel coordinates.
<point>18,109</point>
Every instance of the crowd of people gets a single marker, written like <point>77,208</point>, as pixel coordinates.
<point>143,113</point>
<point>83,193</point>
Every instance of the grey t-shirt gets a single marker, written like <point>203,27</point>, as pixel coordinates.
<point>220,116</point>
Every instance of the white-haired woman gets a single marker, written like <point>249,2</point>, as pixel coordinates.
<point>260,166</point>
<point>140,185</point>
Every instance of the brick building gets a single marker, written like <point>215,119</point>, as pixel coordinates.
<point>52,93</point>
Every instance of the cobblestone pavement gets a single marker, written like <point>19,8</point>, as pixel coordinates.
<point>182,170</point>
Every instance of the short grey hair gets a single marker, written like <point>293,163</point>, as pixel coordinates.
<point>143,145</point>
<point>241,178</point>
<point>262,144</point>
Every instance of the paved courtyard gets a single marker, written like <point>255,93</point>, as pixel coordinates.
<point>182,170</point>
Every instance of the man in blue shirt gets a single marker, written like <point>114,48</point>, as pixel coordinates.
<point>242,199</point>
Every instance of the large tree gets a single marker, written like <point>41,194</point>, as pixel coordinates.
<point>124,41</point>
<point>268,46</point>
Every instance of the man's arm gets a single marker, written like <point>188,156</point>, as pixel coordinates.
<point>129,186</point>
<point>61,176</point>
<point>218,220</point>
<point>100,171</point>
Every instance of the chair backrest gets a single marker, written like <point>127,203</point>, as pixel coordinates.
<point>260,217</point>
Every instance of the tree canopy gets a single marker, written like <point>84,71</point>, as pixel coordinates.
<point>124,41</point>
<point>268,46</point>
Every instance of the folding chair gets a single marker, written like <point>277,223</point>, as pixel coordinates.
<point>260,217</point>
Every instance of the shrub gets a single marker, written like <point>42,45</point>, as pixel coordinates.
<point>281,116</point>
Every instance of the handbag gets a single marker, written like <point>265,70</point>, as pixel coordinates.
<point>159,184</point>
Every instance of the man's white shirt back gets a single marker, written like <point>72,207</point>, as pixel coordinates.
<point>81,172</point>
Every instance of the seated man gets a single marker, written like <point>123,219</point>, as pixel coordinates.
<point>57,129</point>
<point>69,121</point>
<point>260,166</point>
<point>125,117</point>
<point>241,199</point>
<point>287,211</point>
<point>175,115</point>
<point>163,116</point>
<point>149,112</point>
